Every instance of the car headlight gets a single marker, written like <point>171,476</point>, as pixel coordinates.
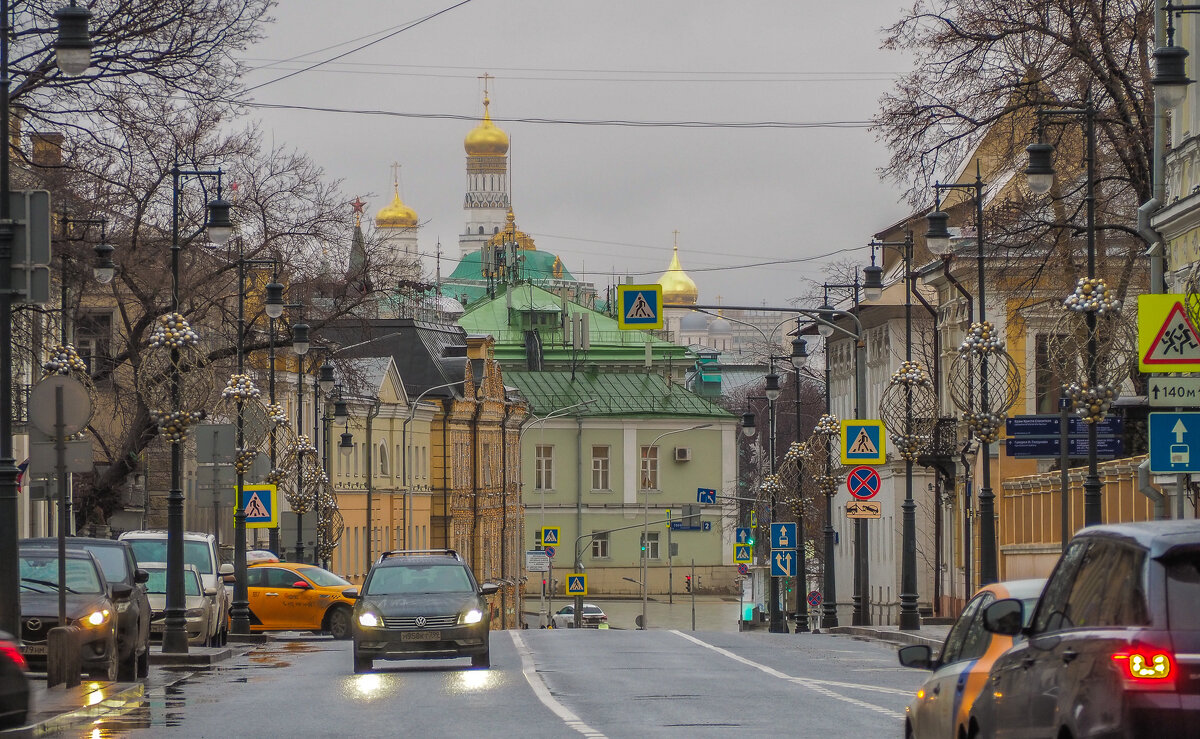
<point>122,606</point>
<point>369,620</point>
<point>95,618</point>
<point>194,613</point>
<point>472,616</point>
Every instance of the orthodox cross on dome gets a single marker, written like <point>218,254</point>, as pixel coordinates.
<point>396,176</point>
<point>358,204</point>
<point>676,232</point>
<point>485,77</point>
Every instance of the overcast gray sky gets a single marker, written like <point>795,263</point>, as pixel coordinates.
<point>606,198</point>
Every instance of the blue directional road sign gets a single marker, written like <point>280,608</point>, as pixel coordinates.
<point>783,536</point>
<point>1174,443</point>
<point>742,535</point>
<point>704,495</point>
<point>783,564</point>
<point>1077,446</point>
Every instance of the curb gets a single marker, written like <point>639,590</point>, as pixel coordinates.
<point>116,703</point>
<point>887,635</point>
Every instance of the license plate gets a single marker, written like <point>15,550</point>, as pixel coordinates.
<point>33,649</point>
<point>421,636</point>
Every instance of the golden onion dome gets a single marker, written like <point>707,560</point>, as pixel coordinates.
<point>486,139</point>
<point>396,214</point>
<point>677,286</point>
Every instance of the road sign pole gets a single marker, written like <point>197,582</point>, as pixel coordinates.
<point>694,595</point>
<point>1064,464</point>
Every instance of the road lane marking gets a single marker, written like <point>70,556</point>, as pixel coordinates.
<point>818,686</point>
<point>542,691</point>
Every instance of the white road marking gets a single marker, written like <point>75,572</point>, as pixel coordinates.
<point>818,686</point>
<point>542,691</point>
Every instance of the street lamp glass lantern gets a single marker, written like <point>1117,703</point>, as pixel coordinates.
<point>1170,79</point>
<point>1040,172</point>
<point>105,270</point>
<point>339,410</point>
<point>346,445</point>
<point>300,338</point>
<point>873,281</point>
<point>799,352</point>
<point>772,390</point>
<point>325,379</point>
<point>937,238</point>
<point>825,324</point>
<point>274,301</point>
<point>748,423</point>
<point>73,47</point>
<point>220,228</point>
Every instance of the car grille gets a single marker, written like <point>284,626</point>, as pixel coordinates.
<point>430,622</point>
<point>34,629</point>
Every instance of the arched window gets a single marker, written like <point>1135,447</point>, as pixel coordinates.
<point>383,460</point>
<point>481,230</point>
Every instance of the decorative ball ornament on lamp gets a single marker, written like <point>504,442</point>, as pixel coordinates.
<point>908,409</point>
<point>983,345</point>
<point>1115,348</point>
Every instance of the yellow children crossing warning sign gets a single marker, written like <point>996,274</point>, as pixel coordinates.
<point>863,442</point>
<point>639,306</point>
<point>1167,339</point>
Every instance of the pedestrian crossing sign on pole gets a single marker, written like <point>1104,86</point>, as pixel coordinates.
<point>743,553</point>
<point>261,504</point>
<point>863,442</point>
<point>639,306</point>
<point>549,536</point>
<point>577,583</point>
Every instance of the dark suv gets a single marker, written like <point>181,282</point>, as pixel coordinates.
<point>128,593</point>
<point>420,604</point>
<point>1113,648</point>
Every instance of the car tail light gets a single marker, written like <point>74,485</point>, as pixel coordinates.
<point>10,650</point>
<point>1146,669</point>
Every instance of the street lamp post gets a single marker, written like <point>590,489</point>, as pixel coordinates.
<point>645,529</point>
<point>799,358</point>
<point>273,306</point>
<point>73,54</point>
<point>300,345</point>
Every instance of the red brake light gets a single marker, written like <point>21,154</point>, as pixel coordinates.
<point>1146,667</point>
<point>10,650</point>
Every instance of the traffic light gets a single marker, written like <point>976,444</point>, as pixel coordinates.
<point>687,582</point>
<point>668,522</point>
<point>750,541</point>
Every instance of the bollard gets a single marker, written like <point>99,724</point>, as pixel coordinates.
<point>62,656</point>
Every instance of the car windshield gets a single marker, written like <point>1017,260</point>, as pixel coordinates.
<point>323,578</point>
<point>112,561</point>
<point>157,584</point>
<point>40,575</point>
<point>414,579</point>
<point>1183,590</point>
<point>155,550</point>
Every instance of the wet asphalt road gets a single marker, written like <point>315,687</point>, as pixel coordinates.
<point>543,683</point>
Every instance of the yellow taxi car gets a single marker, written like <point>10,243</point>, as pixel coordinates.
<point>291,596</point>
<point>943,703</point>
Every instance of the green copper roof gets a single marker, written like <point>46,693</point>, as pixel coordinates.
<point>536,265</point>
<point>615,394</point>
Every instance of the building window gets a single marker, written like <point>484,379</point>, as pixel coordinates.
<point>600,546</point>
<point>384,470</point>
<point>487,464</point>
<point>93,340</point>
<point>600,464</point>
<point>1047,381</point>
<point>650,544</point>
<point>543,467</point>
<point>649,468</point>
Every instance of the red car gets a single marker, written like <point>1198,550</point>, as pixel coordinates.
<point>14,685</point>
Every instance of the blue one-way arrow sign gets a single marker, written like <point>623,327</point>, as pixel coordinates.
<point>742,535</point>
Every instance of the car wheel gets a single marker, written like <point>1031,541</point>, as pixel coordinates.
<point>127,669</point>
<point>338,622</point>
<point>483,659</point>
<point>362,664</point>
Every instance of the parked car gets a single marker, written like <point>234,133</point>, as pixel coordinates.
<point>290,595</point>
<point>1113,647</point>
<point>421,605</point>
<point>125,581</point>
<point>943,703</point>
<point>593,617</point>
<point>199,550</point>
<point>88,606</point>
<point>14,684</point>
<point>201,607</point>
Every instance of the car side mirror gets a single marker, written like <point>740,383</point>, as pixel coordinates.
<point>489,588</point>
<point>351,593</point>
<point>918,656</point>
<point>229,578</point>
<point>121,591</point>
<point>225,569</point>
<point>301,585</point>
<point>1004,617</point>
<point>140,576</point>
<point>210,592</point>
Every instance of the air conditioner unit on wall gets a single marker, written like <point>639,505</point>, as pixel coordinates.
<point>683,454</point>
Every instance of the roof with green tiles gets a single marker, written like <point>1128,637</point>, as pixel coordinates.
<point>614,394</point>
<point>536,265</point>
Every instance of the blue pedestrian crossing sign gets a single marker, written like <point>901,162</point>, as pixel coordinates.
<point>704,495</point>
<point>783,536</point>
<point>783,564</point>
<point>639,306</point>
<point>863,442</point>
<point>549,536</point>
<point>743,553</point>
<point>741,535</point>
<point>577,583</point>
<point>261,504</point>
<point>1174,443</point>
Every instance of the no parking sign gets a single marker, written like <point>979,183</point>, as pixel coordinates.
<point>863,482</point>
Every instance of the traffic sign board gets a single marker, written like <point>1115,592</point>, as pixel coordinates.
<point>1172,391</point>
<point>536,560</point>
<point>814,598</point>
<point>261,504</point>
<point>704,495</point>
<point>639,306</point>
<point>783,563</point>
<point>1167,340</point>
<point>783,536</point>
<point>863,482</point>
<point>549,535</point>
<point>743,569</point>
<point>549,551</point>
<point>1047,425</point>
<point>863,442</point>
<point>577,583</point>
<point>743,553</point>
<point>863,509</point>
<point>1174,443</point>
<point>742,535</point>
<point>1048,448</point>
